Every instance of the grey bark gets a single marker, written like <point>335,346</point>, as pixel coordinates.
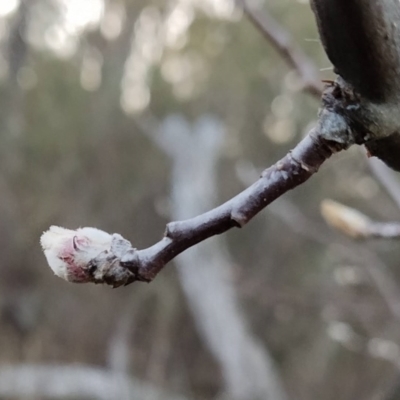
<point>362,40</point>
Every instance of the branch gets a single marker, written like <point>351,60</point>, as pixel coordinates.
<point>360,254</point>
<point>362,40</point>
<point>91,255</point>
<point>284,44</point>
<point>353,223</point>
<point>71,254</point>
<point>348,116</point>
<point>285,210</point>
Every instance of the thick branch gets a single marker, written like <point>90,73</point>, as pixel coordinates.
<point>362,39</point>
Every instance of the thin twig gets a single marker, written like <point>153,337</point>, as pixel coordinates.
<point>90,255</point>
<point>344,119</point>
<point>294,169</point>
<point>355,251</point>
<point>281,40</point>
<point>355,224</point>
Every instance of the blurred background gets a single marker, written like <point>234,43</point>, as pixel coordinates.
<point>126,114</point>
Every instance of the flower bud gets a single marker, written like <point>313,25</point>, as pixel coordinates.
<point>347,220</point>
<point>69,252</point>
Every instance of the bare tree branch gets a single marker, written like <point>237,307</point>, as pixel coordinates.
<point>284,44</point>
<point>353,33</point>
<point>355,251</point>
<point>285,210</point>
<point>362,39</point>
<point>122,264</point>
<point>347,117</point>
<point>353,223</point>
<point>91,255</point>
<point>357,225</point>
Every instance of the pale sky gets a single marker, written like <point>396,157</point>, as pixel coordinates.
<point>80,13</point>
<point>8,6</point>
<point>77,13</point>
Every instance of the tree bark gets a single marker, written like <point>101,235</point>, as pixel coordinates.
<point>362,40</point>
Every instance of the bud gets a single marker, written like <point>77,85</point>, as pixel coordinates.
<point>69,252</point>
<point>347,220</point>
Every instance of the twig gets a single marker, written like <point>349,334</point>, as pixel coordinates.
<point>294,169</point>
<point>357,252</point>
<point>90,255</point>
<point>121,264</point>
<point>285,210</point>
<point>281,40</point>
<point>346,118</point>
<point>353,223</point>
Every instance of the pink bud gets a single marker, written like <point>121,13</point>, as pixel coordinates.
<point>69,252</point>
